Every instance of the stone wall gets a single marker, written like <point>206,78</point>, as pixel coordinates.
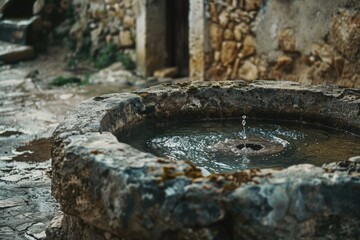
<point>314,42</point>
<point>99,22</point>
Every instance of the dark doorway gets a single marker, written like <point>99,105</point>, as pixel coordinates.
<point>177,35</point>
<point>18,9</point>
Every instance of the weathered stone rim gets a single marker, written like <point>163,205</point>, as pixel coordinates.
<point>109,185</point>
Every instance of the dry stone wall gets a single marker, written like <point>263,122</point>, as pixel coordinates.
<point>103,22</point>
<point>313,42</point>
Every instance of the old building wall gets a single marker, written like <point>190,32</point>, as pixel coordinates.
<point>307,41</point>
<point>99,22</point>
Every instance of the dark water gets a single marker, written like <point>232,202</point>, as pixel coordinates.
<point>194,141</point>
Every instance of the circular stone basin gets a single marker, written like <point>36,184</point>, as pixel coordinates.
<point>110,190</point>
<point>217,146</point>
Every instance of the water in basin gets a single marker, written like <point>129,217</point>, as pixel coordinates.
<point>218,146</point>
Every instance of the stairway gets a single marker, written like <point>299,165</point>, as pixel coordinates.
<point>19,27</point>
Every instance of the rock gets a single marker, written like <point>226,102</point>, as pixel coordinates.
<point>126,39</point>
<point>19,31</point>
<point>321,72</point>
<point>249,47</point>
<point>284,62</point>
<point>252,5</point>
<point>129,22</point>
<point>228,34</point>
<point>6,232</point>
<point>8,203</point>
<point>235,69</point>
<point>54,230</point>
<point>37,230</point>
<point>345,34</point>
<point>355,159</point>
<point>243,28</point>
<point>12,52</point>
<point>243,16</point>
<point>287,41</point>
<point>166,72</point>
<point>217,56</point>
<point>115,73</point>
<point>213,12</point>
<point>95,37</point>
<point>324,52</point>
<point>339,63</point>
<point>238,32</point>
<point>228,52</point>
<point>224,18</point>
<point>120,13</point>
<point>38,6</point>
<point>248,71</point>
<point>217,73</point>
<point>127,3</point>
<point>216,34</point>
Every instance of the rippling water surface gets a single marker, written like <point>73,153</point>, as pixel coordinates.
<point>194,141</point>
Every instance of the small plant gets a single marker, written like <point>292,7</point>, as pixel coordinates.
<point>110,54</point>
<point>126,61</point>
<point>61,81</point>
<point>106,56</point>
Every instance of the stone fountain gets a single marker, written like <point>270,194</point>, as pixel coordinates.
<point>110,190</point>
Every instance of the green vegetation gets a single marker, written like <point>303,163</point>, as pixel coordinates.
<point>126,61</point>
<point>110,54</point>
<point>106,56</point>
<point>61,81</point>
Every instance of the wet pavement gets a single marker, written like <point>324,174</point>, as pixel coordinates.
<point>29,112</point>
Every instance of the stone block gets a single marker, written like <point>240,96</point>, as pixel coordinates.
<point>324,52</point>
<point>216,33</point>
<point>249,47</point>
<point>345,34</point>
<point>12,52</point>
<point>287,41</point>
<point>248,71</point>
<point>228,52</point>
<point>126,39</point>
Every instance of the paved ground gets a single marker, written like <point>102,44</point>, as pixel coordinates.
<point>29,112</point>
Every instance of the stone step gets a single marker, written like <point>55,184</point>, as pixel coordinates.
<point>10,52</point>
<point>19,31</point>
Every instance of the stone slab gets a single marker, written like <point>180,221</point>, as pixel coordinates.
<point>13,52</point>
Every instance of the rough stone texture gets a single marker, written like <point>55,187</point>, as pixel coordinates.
<point>109,190</point>
<point>320,37</point>
<point>346,36</point>
<point>114,21</point>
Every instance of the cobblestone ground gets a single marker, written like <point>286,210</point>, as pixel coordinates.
<point>26,205</point>
<point>28,115</point>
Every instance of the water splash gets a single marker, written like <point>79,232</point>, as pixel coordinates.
<point>243,122</point>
